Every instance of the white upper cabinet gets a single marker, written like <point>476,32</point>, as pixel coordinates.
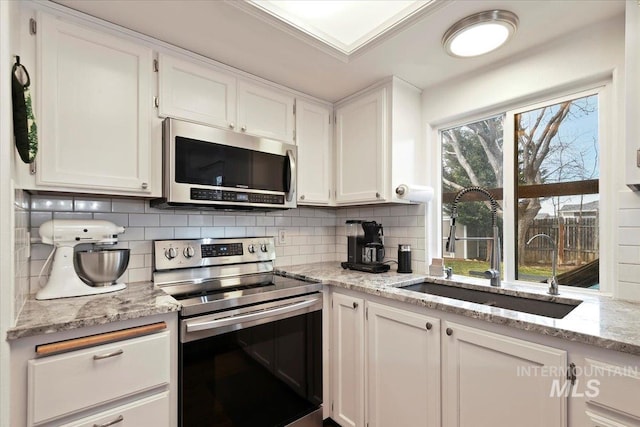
<point>378,143</point>
<point>95,109</point>
<point>313,138</point>
<point>361,142</point>
<point>206,94</point>
<point>197,93</point>
<point>265,111</point>
<point>632,93</point>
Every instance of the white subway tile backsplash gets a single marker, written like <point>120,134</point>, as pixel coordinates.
<point>173,220</point>
<point>211,232</point>
<point>139,275</point>
<point>136,261</point>
<point>224,221</point>
<point>158,233</point>
<point>283,221</point>
<point>131,234</point>
<point>186,232</point>
<point>266,221</point>
<point>92,205</point>
<point>200,220</point>
<point>72,215</point>
<point>121,219</point>
<point>629,254</point>
<point>51,203</point>
<point>629,218</point>
<point>144,220</point>
<point>235,232</point>
<point>127,206</point>
<point>257,232</point>
<point>629,236</point>
<point>246,221</point>
<point>141,247</point>
<point>39,218</point>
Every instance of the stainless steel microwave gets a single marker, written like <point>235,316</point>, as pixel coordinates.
<point>206,167</point>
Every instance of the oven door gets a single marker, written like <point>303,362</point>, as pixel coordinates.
<point>206,165</point>
<point>256,366</point>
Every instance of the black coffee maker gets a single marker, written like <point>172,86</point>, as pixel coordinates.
<point>365,247</point>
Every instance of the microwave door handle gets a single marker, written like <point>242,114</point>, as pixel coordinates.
<point>289,173</point>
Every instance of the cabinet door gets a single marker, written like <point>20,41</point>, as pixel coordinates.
<point>196,93</point>
<point>403,368</point>
<point>361,134</point>
<point>348,360</point>
<point>314,153</point>
<point>493,380</point>
<point>263,111</point>
<point>95,110</point>
<point>150,411</point>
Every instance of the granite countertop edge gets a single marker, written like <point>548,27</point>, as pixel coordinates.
<point>138,300</point>
<point>615,330</point>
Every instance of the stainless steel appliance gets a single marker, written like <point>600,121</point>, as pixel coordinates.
<point>365,247</point>
<point>250,340</point>
<point>209,167</point>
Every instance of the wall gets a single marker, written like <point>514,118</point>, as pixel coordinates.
<point>402,225</point>
<point>568,64</point>
<point>310,232</point>
<point>21,249</point>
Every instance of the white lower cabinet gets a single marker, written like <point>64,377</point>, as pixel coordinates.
<point>151,411</point>
<point>403,368</point>
<point>416,370</point>
<point>494,380</point>
<point>347,361</point>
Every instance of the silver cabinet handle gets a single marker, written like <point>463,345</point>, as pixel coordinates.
<point>377,195</point>
<point>429,326</point>
<point>108,355</point>
<point>449,331</point>
<point>232,125</point>
<point>243,128</point>
<point>355,305</point>
<point>145,185</point>
<point>302,197</point>
<point>110,423</point>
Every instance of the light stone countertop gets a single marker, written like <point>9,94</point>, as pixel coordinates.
<point>599,320</point>
<point>137,300</point>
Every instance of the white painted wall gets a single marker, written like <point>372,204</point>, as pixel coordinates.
<point>578,61</point>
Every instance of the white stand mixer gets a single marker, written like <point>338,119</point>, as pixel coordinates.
<point>65,235</point>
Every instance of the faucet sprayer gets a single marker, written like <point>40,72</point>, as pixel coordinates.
<point>494,271</point>
<point>552,281</point>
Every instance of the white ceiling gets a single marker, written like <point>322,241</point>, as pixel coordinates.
<point>232,36</point>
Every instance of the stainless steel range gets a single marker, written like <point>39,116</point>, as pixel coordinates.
<point>250,340</point>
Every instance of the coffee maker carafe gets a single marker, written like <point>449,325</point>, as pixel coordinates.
<point>365,246</point>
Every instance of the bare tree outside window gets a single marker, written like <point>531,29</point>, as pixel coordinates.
<point>557,189</point>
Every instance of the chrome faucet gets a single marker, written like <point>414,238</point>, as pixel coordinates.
<point>493,273</point>
<point>552,281</point>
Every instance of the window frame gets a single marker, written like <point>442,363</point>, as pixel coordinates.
<point>602,89</point>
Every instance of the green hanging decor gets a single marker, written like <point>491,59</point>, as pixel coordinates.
<point>25,128</point>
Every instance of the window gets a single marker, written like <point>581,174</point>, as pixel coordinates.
<point>555,152</point>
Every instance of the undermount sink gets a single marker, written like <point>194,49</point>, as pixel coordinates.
<point>554,309</point>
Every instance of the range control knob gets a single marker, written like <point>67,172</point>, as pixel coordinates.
<point>188,252</point>
<point>251,249</point>
<point>170,253</point>
<point>263,247</point>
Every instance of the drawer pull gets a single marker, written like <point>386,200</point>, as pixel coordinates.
<point>110,423</point>
<point>106,356</point>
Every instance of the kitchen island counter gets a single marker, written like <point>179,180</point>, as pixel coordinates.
<point>599,320</point>
<point>49,316</point>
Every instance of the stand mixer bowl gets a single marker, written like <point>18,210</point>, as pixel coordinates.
<point>101,267</point>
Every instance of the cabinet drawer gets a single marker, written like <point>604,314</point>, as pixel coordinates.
<point>151,411</point>
<point>63,384</point>
<point>613,387</point>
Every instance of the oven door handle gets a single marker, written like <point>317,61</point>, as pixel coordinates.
<point>256,315</point>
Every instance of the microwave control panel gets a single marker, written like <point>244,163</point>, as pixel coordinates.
<point>236,196</point>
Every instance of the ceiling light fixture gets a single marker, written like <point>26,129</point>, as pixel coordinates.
<point>480,33</point>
